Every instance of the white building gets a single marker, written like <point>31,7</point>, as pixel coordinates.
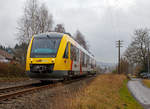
<point>5,57</point>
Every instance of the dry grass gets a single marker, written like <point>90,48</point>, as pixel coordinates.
<point>13,79</point>
<point>12,70</point>
<point>146,82</point>
<point>105,92</point>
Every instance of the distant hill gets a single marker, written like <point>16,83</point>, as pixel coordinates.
<point>106,65</point>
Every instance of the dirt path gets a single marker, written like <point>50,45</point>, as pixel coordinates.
<point>140,92</point>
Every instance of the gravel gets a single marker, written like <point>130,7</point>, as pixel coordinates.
<point>54,98</point>
<point>18,83</point>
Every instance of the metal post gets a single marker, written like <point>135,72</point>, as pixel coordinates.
<point>148,58</point>
<point>119,58</point>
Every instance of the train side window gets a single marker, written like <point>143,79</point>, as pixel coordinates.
<point>83,59</point>
<point>73,55</point>
<point>66,52</point>
<point>87,60</point>
<point>77,54</point>
<point>71,52</point>
<point>91,63</point>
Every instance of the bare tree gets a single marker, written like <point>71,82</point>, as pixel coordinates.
<point>20,52</point>
<point>60,28</point>
<point>137,51</point>
<point>79,37</point>
<point>45,19</point>
<point>36,19</point>
<point>124,66</point>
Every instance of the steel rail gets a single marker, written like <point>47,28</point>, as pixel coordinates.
<point>24,91</point>
<point>15,87</point>
<point>21,92</point>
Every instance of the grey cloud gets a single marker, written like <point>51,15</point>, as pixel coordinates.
<point>102,25</point>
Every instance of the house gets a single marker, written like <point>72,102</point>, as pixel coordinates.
<point>5,56</point>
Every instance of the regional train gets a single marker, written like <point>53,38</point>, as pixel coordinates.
<point>57,56</point>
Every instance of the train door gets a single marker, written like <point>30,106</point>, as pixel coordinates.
<point>74,56</point>
<point>66,57</point>
<point>63,57</point>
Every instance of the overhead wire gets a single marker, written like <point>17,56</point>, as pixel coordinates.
<point>113,20</point>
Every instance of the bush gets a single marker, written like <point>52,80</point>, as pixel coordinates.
<point>114,71</point>
<point>11,70</point>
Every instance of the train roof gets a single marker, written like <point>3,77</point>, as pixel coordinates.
<point>80,47</point>
<point>60,35</point>
<point>50,34</point>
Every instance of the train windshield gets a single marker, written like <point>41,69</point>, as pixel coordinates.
<point>44,47</point>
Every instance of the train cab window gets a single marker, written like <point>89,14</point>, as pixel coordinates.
<point>66,52</point>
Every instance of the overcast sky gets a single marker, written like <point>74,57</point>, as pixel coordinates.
<point>103,22</point>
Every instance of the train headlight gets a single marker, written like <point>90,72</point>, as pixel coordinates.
<point>53,60</point>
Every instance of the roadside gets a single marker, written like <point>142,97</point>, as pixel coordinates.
<point>106,92</point>
<point>140,92</point>
<point>146,82</point>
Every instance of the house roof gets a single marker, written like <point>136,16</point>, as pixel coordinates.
<point>5,54</point>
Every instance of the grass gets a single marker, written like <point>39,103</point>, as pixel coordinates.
<point>105,92</point>
<point>129,101</point>
<point>146,82</point>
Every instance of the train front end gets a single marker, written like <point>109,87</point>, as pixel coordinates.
<point>41,57</point>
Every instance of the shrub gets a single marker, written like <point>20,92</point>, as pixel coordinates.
<point>114,71</point>
<point>12,70</point>
<point>3,69</point>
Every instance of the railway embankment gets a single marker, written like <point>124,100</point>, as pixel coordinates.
<point>106,92</point>
<point>101,92</point>
<point>52,98</point>
<point>12,72</point>
<point>15,81</point>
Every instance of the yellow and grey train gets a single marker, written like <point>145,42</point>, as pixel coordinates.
<point>57,56</point>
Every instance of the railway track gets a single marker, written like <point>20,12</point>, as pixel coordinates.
<point>13,92</point>
<point>15,88</point>
<point>18,91</point>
